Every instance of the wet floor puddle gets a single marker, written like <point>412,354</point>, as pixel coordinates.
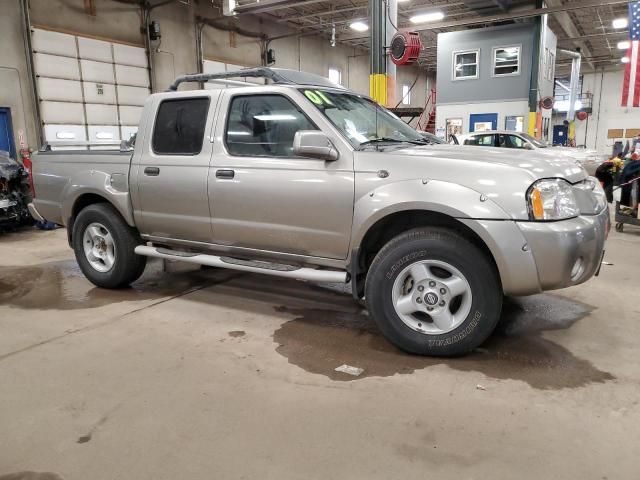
<point>62,286</point>
<point>319,340</point>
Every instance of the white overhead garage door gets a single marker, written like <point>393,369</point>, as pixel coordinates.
<point>89,90</point>
<point>214,66</point>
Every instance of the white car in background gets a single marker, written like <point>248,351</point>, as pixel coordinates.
<point>589,159</point>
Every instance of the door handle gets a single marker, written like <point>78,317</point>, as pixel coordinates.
<point>152,171</point>
<point>225,174</point>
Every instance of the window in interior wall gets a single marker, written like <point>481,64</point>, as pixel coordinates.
<point>506,61</point>
<point>335,75</point>
<point>465,65</point>
<point>514,123</point>
<point>406,95</point>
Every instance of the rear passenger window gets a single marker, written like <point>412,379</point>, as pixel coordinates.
<point>264,125</point>
<point>483,140</point>
<point>179,128</point>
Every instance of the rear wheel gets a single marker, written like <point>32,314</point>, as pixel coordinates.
<point>432,292</point>
<point>104,247</point>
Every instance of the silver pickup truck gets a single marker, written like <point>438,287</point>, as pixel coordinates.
<point>304,179</point>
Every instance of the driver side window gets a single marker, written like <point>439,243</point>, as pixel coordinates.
<point>264,126</point>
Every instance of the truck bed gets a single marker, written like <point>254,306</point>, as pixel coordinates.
<point>55,173</point>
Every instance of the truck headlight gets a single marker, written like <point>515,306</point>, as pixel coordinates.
<point>552,199</point>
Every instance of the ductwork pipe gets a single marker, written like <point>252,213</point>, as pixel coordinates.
<point>574,83</point>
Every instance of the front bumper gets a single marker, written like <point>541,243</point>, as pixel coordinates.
<point>567,252</point>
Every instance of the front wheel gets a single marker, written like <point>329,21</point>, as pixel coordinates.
<point>432,292</point>
<point>104,246</point>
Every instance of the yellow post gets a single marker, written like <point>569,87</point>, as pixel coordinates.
<point>532,124</point>
<point>378,87</point>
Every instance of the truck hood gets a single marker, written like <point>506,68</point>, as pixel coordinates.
<point>503,175</point>
<point>476,158</point>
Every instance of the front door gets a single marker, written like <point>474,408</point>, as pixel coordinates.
<point>6,132</point>
<point>263,196</point>
<point>172,200</point>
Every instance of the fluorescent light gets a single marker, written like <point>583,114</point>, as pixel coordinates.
<point>427,17</point>
<point>625,59</point>
<point>620,23</point>
<point>624,45</point>
<point>359,26</point>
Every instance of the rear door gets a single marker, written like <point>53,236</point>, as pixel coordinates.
<point>263,197</point>
<point>172,170</point>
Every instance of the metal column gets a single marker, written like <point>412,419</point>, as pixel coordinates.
<point>391,25</point>
<point>378,65</point>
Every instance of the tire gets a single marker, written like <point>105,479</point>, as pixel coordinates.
<point>423,269</point>
<point>104,246</point>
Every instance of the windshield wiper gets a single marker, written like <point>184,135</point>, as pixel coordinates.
<point>392,140</point>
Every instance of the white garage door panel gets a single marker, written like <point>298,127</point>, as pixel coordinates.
<point>209,66</point>
<point>136,76</point>
<point>61,112</point>
<point>97,71</point>
<point>60,90</point>
<point>94,49</point>
<point>92,92</point>
<point>104,133</point>
<point>130,115</point>
<point>132,95</point>
<point>56,66</point>
<point>127,55</point>
<point>53,42</point>
<point>65,133</point>
<point>98,114</point>
<point>128,132</point>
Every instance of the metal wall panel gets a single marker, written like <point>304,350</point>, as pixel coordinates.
<point>91,49</point>
<point>55,43</point>
<point>62,112</point>
<point>130,115</point>
<point>134,76</point>
<point>97,71</point>
<point>56,66</point>
<point>59,90</point>
<point>99,93</point>
<point>127,55</point>
<point>98,114</point>
<point>132,95</point>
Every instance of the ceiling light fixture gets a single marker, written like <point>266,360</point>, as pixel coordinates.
<point>359,26</point>
<point>625,59</point>
<point>427,17</point>
<point>624,45</point>
<point>620,23</point>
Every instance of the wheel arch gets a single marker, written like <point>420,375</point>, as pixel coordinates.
<point>83,200</point>
<point>392,225</point>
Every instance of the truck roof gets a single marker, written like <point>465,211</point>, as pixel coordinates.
<point>278,76</point>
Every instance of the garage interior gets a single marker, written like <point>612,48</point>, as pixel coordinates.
<point>197,372</point>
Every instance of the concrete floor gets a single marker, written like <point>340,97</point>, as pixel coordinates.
<point>214,374</point>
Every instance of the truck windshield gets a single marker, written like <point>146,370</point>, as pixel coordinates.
<point>362,121</point>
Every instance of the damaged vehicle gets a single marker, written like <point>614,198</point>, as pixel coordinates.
<point>15,193</point>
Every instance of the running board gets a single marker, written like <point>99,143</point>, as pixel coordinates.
<point>277,270</point>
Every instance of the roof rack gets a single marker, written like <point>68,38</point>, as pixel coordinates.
<point>276,75</point>
<point>259,72</point>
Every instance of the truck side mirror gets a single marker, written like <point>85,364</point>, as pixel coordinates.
<point>314,144</point>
